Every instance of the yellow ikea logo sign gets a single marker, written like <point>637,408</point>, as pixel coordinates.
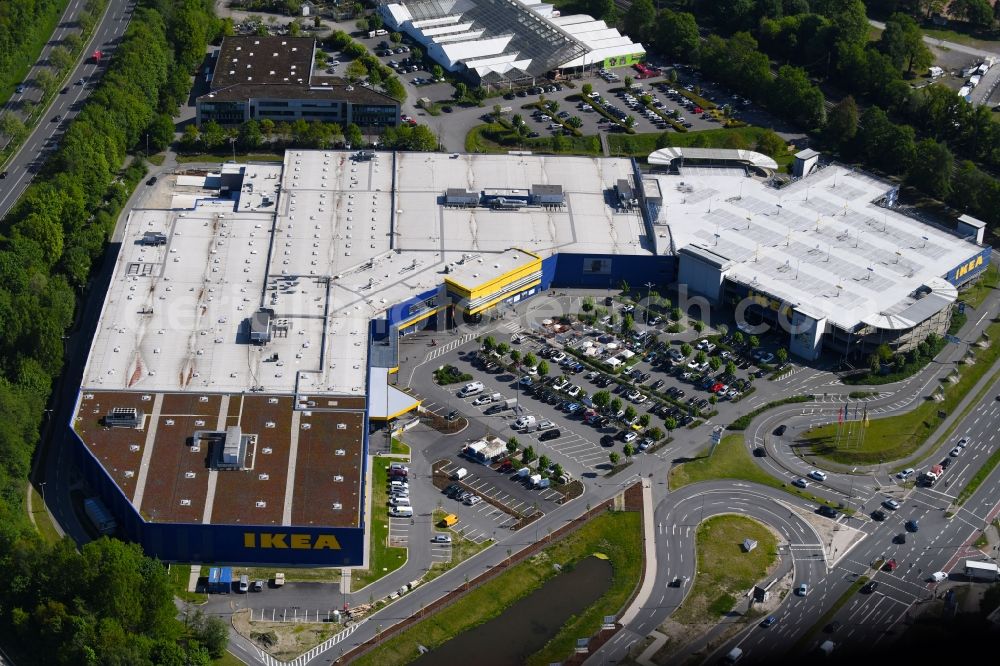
<point>295,541</point>
<point>971,266</point>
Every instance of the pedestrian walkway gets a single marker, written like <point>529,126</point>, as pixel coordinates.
<point>649,546</point>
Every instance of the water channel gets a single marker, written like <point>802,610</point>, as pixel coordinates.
<point>530,623</point>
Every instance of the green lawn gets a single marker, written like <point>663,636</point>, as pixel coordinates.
<point>41,518</point>
<point>641,145</point>
<point>228,157</point>
<point>957,37</point>
<point>292,574</point>
<point>399,447</point>
<point>725,572</point>
<point>383,559</point>
<point>896,437</point>
<point>730,461</point>
<point>228,659</point>
<point>179,574</point>
<point>977,293</point>
<point>617,535</point>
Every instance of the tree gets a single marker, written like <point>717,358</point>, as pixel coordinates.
<point>699,326</point>
<point>515,356</point>
<point>356,71</point>
<point>738,338</point>
<point>512,445</point>
<point>544,462</point>
<point>601,399</point>
<point>530,360</point>
<point>614,458</point>
<point>644,420</point>
<point>587,304</point>
<point>160,132</point>
<point>842,122</point>
<point>630,413</point>
<point>437,72</point>
<point>932,168</point>
<point>730,367</point>
<point>715,363</point>
<point>676,35</point>
<point>61,58</point>
<point>638,20</point>
<point>586,89</point>
<point>461,91</point>
<point>629,451</point>
<point>616,405</point>
<point>629,122</point>
<point>528,454</point>
<point>211,632</point>
<point>250,135</point>
<point>701,357</point>
<point>543,368</point>
<point>676,313</point>
<point>628,82</point>
<point>394,88</point>
<point>12,127</point>
<point>978,13</point>
<point>903,41</point>
<point>754,341</point>
<point>353,136</point>
<point>190,137</point>
<point>782,355</point>
<point>686,350</point>
<point>213,135</point>
<point>771,144</point>
<point>47,81</point>
<point>489,343</point>
<point>628,324</point>
<point>557,470</point>
<point>670,423</point>
<point>503,348</point>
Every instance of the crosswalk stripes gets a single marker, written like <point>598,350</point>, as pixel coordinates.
<point>512,326</point>
<point>448,346</point>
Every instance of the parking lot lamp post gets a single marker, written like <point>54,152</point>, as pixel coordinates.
<point>649,287</point>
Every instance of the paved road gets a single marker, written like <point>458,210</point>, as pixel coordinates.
<point>954,46</point>
<point>43,139</point>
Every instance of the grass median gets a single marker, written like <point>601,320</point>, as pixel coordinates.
<point>896,437</point>
<point>730,461</point>
<point>383,558</point>
<point>724,571</point>
<point>41,519</point>
<point>617,535</point>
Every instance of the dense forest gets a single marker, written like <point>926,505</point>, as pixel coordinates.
<point>107,604</point>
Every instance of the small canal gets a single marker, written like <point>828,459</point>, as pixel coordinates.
<point>530,623</point>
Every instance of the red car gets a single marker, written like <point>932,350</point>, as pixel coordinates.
<point>716,387</point>
<point>698,110</point>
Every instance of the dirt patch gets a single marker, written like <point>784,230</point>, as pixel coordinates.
<point>283,640</point>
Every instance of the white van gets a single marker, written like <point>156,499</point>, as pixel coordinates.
<point>524,423</point>
<point>399,501</point>
<point>460,474</point>
<point>471,388</point>
<point>401,512</point>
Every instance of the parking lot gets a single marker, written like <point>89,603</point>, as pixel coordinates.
<point>672,388</point>
<point>480,521</point>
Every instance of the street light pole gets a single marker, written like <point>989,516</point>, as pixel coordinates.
<point>649,287</point>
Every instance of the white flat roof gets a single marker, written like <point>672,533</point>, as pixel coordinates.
<point>818,242</point>
<point>332,248</point>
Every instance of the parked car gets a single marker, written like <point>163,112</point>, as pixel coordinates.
<point>891,504</point>
<point>549,434</point>
<point>442,538</point>
<point>870,587</point>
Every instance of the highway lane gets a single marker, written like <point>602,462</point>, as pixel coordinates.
<point>44,137</point>
<point>677,517</point>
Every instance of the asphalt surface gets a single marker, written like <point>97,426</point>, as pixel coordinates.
<point>45,136</point>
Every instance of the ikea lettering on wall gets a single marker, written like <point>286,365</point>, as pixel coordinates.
<point>295,541</point>
<point>971,266</point>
